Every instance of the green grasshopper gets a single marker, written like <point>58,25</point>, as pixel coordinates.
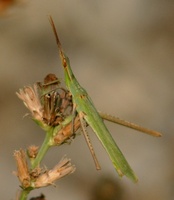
<point>87,113</point>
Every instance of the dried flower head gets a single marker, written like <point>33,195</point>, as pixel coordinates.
<point>48,103</point>
<point>56,101</point>
<point>31,100</point>
<point>22,168</point>
<point>39,177</point>
<point>62,169</point>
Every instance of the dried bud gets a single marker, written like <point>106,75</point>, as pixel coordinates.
<point>67,132</point>
<point>62,169</point>
<point>22,168</point>
<point>32,151</point>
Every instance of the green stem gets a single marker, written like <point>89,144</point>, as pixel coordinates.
<point>44,148</point>
<point>24,194</point>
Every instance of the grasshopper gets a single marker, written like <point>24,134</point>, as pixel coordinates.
<point>87,113</point>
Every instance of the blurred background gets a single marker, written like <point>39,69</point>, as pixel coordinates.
<point>122,53</point>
